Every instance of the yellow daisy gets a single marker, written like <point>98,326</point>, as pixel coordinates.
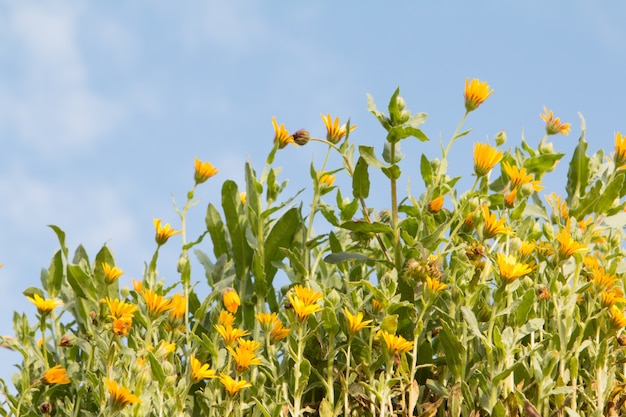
<point>232,386</point>
<point>510,269</point>
<point>554,125</point>
<point>56,375</point>
<point>203,171</point>
<point>476,92</point>
<point>334,133</point>
<point>356,322</point>
<point>119,396</point>
<point>163,233</point>
<point>44,306</point>
<point>281,135</point>
<point>485,158</point>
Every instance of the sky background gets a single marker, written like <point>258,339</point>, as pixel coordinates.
<point>104,105</point>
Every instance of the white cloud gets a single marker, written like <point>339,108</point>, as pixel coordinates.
<point>48,102</point>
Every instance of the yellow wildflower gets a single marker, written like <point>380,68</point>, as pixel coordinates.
<point>558,205</point>
<point>122,326</point>
<point>476,92</point>
<point>119,396</point>
<point>163,233</point>
<point>249,344</point>
<point>377,305</point>
<point>492,226</point>
<point>242,197</point>
<point>609,298</point>
<point>435,205</point>
<point>231,300</point>
<point>334,133</point>
<point>266,318</point>
<point>203,171</point>
<point>229,334</point>
<point>485,158</point>
<point>619,157</point>
<point>179,306</point>
<point>226,319</point>
<point>617,317</point>
<point>509,199</point>
<point>44,306</point>
<point>434,285</point>
<point>554,125</point>
<point>137,285</point>
<point>278,332</point>
<point>603,279</point>
<point>111,273</point>
<point>155,303</point>
<point>232,386</point>
<point>200,371</point>
<point>281,135</point>
<point>510,269</point>
<point>304,302</point>
<point>519,177</point>
<point>56,375</point>
<point>356,322</point>
<point>244,358</point>
<point>567,245</point>
<point>396,344</point>
<point>120,309</point>
<point>326,180</point>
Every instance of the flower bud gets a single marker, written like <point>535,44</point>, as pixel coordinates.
<point>548,231</point>
<point>434,164</point>
<point>405,115</point>
<point>45,408</point>
<point>231,300</point>
<point>546,148</point>
<point>301,137</point>
<point>435,205</point>
<point>500,138</point>
<point>400,103</point>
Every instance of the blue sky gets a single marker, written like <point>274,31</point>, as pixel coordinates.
<point>104,105</point>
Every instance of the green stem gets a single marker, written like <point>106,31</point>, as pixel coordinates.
<point>297,393</point>
<point>346,398</point>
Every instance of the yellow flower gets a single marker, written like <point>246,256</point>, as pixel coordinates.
<point>229,334</point>
<point>476,92</point>
<point>620,150</point>
<point>242,197</point>
<point>137,285</point>
<point>122,326</point>
<point>567,245</point>
<point>519,177</point>
<point>485,158</point>
<point>602,279</point>
<point>44,307</point>
<point>510,269</point>
<point>307,295</point>
<point>179,306</point>
<point>278,332</point>
<point>610,298</point>
<point>266,318</point>
<point>281,135</point>
<point>155,303</point>
<point>326,180</point>
<point>435,204</point>
<point>554,125</point>
<point>119,396</point>
<point>203,171</point>
<point>231,300</point>
<point>232,386</point>
<point>492,226</point>
<point>56,375</point>
<point>304,302</point>
<point>334,133</point>
<point>434,285</point>
<point>617,317</point>
<point>356,323</point>
<point>111,273</point>
<point>120,309</point>
<point>200,371</point>
<point>527,248</point>
<point>396,344</point>
<point>244,358</point>
<point>226,319</point>
<point>558,205</point>
<point>249,344</point>
<point>377,305</point>
<point>163,233</point>
<point>509,199</point>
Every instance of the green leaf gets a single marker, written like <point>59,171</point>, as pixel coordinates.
<point>371,107</point>
<point>336,258</point>
<point>364,226</point>
<point>241,252</point>
<point>281,236</point>
<point>541,164</point>
<point>61,236</point>
<point>360,180</point>
<point>393,172</point>
<point>394,110</point>
<point>81,282</point>
<point>586,204</point>
<point>417,120</point>
<point>610,194</point>
<point>367,153</point>
<point>453,349</point>
<point>521,314</point>
<point>55,275</point>
<point>156,368</point>
<point>427,171</point>
<point>397,133</point>
<point>472,324</point>
<point>215,226</point>
<point>578,174</point>
<point>397,155</point>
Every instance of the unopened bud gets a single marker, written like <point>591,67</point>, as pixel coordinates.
<point>500,138</point>
<point>400,103</point>
<point>546,148</point>
<point>405,115</point>
<point>301,137</point>
<point>45,408</point>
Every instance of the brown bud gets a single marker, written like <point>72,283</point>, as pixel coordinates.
<point>45,408</point>
<point>301,137</point>
<point>66,341</point>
